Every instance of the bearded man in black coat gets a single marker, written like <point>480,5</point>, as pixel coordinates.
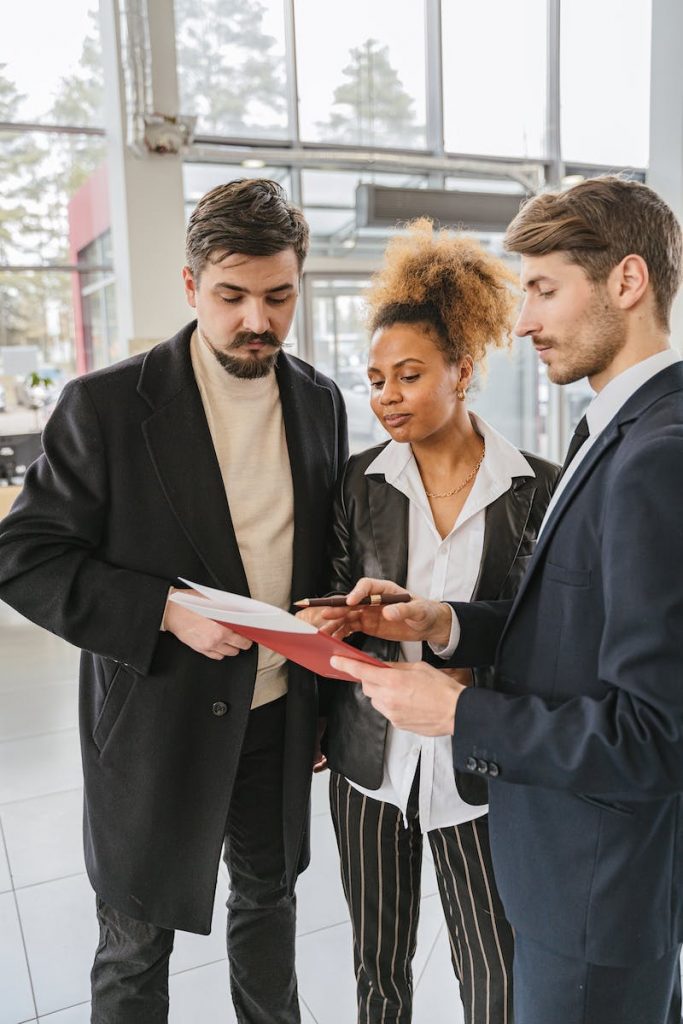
<point>213,458</point>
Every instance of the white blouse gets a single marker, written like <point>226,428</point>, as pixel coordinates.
<point>445,569</point>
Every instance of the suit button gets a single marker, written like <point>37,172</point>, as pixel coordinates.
<point>482,766</point>
<point>494,770</point>
<point>471,764</point>
<point>220,708</point>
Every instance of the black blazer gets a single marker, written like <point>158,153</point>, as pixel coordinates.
<point>586,814</point>
<point>370,538</point>
<point>127,497</point>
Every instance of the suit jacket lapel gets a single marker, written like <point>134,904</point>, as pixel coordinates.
<point>506,520</point>
<point>389,519</point>
<point>182,453</point>
<point>608,437</point>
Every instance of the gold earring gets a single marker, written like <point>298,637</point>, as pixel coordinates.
<point>460,393</point>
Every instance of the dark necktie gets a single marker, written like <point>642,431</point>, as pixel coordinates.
<point>578,437</point>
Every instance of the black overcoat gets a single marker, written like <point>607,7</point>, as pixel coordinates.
<point>127,498</point>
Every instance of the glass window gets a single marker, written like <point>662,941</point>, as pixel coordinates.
<point>231,66</point>
<point>494,77</point>
<point>51,63</point>
<point>340,348</point>
<point>361,72</point>
<point>42,178</point>
<point>36,309</point>
<point>198,179</point>
<point>329,199</point>
<point>605,82</point>
<point>512,397</point>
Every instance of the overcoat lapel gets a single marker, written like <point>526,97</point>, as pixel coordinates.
<point>182,453</point>
<point>389,519</point>
<point>505,523</point>
<point>307,409</point>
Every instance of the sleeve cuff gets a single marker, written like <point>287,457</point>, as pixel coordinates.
<point>453,640</point>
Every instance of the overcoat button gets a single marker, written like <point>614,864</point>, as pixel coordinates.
<point>471,764</point>
<point>494,770</point>
<point>482,766</point>
<point>220,708</point>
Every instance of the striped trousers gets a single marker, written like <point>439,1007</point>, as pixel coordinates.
<point>381,863</point>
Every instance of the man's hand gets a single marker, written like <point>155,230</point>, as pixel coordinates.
<point>413,696</point>
<point>202,635</point>
<point>418,619</point>
<point>319,759</point>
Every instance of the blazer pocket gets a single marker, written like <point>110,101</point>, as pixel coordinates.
<point>570,577</point>
<point>606,805</point>
<point>117,695</point>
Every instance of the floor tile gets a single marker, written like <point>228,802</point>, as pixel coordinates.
<point>38,710</point>
<point>429,928</point>
<point>74,1015</point>
<point>32,657</point>
<point>320,897</point>
<point>16,1003</point>
<point>437,998</point>
<point>44,837</point>
<point>201,995</point>
<point>5,878</point>
<point>192,950</point>
<point>319,793</point>
<point>325,971</point>
<point>61,933</point>
<point>39,765</point>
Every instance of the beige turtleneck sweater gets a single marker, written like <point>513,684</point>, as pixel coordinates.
<point>248,434</point>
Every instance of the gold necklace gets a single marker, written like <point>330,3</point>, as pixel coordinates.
<point>468,478</point>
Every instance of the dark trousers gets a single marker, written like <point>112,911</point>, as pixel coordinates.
<point>554,989</point>
<point>130,972</point>
<point>380,863</point>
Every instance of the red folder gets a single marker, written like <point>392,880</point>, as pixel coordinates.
<point>312,650</point>
<point>271,627</point>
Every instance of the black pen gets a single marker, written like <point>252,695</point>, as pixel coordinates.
<point>339,601</point>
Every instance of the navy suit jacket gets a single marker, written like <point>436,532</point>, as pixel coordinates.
<point>584,732</point>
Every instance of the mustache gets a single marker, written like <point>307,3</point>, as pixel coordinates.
<point>248,337</point>
<point>540,342</point>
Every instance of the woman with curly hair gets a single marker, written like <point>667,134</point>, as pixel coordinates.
<point>449,509</point>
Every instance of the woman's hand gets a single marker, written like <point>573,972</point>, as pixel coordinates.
<point>418,619</point>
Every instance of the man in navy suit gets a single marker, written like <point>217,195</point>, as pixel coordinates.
<point>582,738</point>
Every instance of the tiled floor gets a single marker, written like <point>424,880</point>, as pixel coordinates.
<point>47,923</point>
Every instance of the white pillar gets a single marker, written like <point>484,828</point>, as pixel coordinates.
<point>145,192</point>
<point>665,173</point>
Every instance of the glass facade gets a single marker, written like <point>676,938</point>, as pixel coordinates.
<point>494,57</point>
<point>231,66</point>
<point>365,85</point>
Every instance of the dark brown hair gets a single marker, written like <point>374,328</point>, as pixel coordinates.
<point>250,216</point>
<point>449,283</point>
<point>599,222</point>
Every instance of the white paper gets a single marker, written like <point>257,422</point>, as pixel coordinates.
<point>241,611</point>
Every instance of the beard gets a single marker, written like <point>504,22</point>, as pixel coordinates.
<point>249,367</point>
<point>595,341</point>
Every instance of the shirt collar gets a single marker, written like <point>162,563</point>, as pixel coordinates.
<point>502,460</point>
<point>614,395</point>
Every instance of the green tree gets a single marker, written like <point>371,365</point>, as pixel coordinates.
<point>20,220</point>
<point>371,107</point>
<point>227,74</point>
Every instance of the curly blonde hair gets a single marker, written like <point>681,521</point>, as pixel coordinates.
<point>449,283</point>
